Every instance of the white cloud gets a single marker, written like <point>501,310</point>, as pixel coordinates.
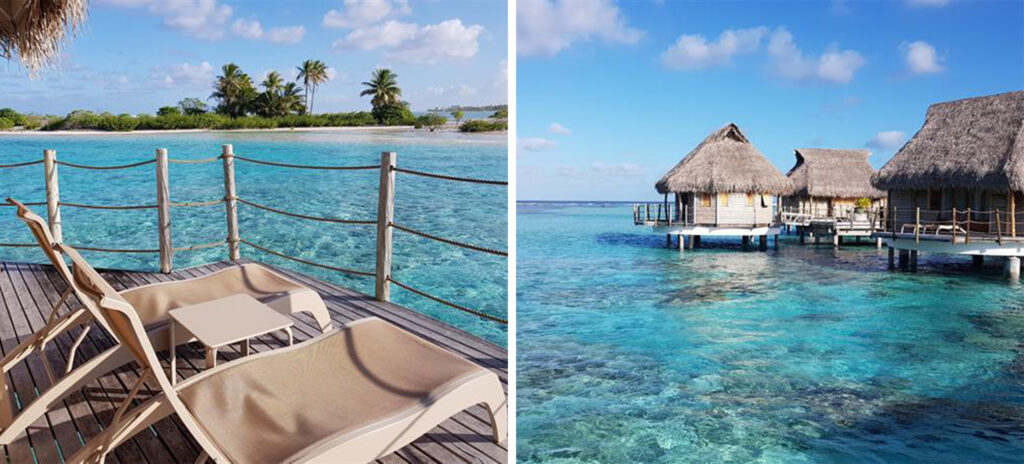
<point>615,169</point>
<point>536,144</point>
<point>186,74</point>
<point>928,3</point>
<point>694,51</point>
<point>201,19</point>
<point>500,83</point>
<point>887,140</point>
<point>836,66</point>
<point>556,128</point>
<point>361,13</point>
<point>410,43</point>
<point>921,57</point>
<point>251,29</point>
<point>461,90</point>
<point>247,28</point>
<point>546,27</point>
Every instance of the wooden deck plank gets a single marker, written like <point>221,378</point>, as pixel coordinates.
<point>35,288</point>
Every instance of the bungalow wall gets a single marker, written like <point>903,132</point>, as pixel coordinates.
<point>937,206</point>
<point>823,207</point>
<point>727,208</point>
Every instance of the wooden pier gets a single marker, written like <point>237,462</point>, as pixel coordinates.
<point>28,291</point>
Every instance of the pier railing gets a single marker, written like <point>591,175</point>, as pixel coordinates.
<point>671,214</point>
<point>384,224</point>
<point>964,224</point>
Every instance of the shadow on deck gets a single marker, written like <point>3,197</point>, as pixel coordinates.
<point>28,291</point>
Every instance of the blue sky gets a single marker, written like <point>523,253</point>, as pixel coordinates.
<point>137,55</point>
<point>611,94</point>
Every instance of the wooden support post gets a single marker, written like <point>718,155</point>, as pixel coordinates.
<point>803,236</point>
<point>895,219</point>
<point>913,260</point>
<point>776,241</point>
<point>385,217</point>
<point>745,240</point>
<point>953,240</point>
<point>763,243</point>
<point>682,242</point>
<point>231,201</point>
<point>163,210</point>
<point>978,261</point>
<point>878,243</point>
<point>835,238</point>
<point>1013,213</point>
<point>999,229</point>
<point>967,230</point>
<point>1012,267</point>
<point>52,194</point>
<point>695,242</point>
<point>668,240</point>
<point>904,258</point>
<point>892,258</point>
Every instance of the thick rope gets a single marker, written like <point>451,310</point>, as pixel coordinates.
<point>447,177</point>
<point>299,260</point>
<point>449,303</point>
<point>200,246</point>
<point>123,166</point>
<point>112,250</point>
<point>186,204</point>
<point>306,166</point>
<point>79,205</point>
<point>449,241</point>
<point>18,245</point>
<point>189,161</point>
<point>18,165</point>
<point>33,203</point>
<point>303,216</point>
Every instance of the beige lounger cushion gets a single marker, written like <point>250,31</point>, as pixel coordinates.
<point>153,302</point>
<point>269,408</point>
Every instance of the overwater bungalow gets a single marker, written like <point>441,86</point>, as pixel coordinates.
<point>724,187</point>
<point>825,188</point>
<point>957,186</point>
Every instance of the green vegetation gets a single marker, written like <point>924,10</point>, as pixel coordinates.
<point>469,108</point>
<point>431,121</point>
<point>863,204</point>
<point>500,114</point>
<point>458,115</point>
<point>6,123</point>
<point>109,122</point>
<point>480,125</point>
<point>312,73</point>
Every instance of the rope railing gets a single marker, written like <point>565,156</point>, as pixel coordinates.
<point>193,161</point>
<point>448,177</point>
<point>201,246</point>
<point>18,245</point>
<point>305,166</point>
<point>303,216</point>
<point>196,204</point>
<point>307,262</point>
<point>31,203</point>
<point>115,207</point>
<point>105,168</point>
<point>114,250</point>
<point>18,165</point>
<point>449,241</point>
<point>448,303</point>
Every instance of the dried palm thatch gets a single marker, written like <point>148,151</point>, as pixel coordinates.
<point>976,143</point>
<point>832,173</point>
<point>34,30</point>
<point>724,162</point>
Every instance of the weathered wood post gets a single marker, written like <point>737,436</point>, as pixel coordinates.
<point>967,231</point>
<point>917,225</point>
<point>231,201</point>
<point>52,194</point>
<point>1013,213</point>
<point>385,215</point>
<point>954,227</point>
<point>163,210</point>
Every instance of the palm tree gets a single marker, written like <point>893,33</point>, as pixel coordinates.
<point>383,86</point>
<point>291,99</point>
<point>234,91</point>
<point>312,73</point>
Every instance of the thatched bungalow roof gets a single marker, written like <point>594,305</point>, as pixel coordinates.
<point>832,173</point>
<point>976,143</point>
<point>724,162</point>
<point>35,29</point>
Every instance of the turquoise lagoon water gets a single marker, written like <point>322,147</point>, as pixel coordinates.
<point>466,212</point>
<point>631,352</point>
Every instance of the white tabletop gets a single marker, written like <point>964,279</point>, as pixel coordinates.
<point>229,320</point>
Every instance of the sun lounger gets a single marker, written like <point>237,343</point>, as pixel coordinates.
<point>353,395</point>
<point>153,303</point>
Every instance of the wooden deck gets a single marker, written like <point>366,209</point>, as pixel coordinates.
<point>28,291</point>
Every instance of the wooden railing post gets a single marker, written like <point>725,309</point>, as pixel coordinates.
<point>967,234</point>
<point>917,225</point>
<point>385,216</point>
<point>895,219</point>
<point>231,201</point>
<point>163,209</point>
<point>1013,213</point>
<point>954,226</point>
<point>52,194</point>
<point>999,229</point>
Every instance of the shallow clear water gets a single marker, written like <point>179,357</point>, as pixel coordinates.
<point>631,352</point>
<point>466,212</point>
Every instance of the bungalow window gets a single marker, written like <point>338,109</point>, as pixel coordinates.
<point>705,199</point>
<point>750,199</point>
<point>935,200</point>
<point>723,199</point>
<point>766,201</point>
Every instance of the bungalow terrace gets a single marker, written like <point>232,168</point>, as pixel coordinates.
<point>724,187</point>
<point>957,186</point>
<point>825,186</point>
